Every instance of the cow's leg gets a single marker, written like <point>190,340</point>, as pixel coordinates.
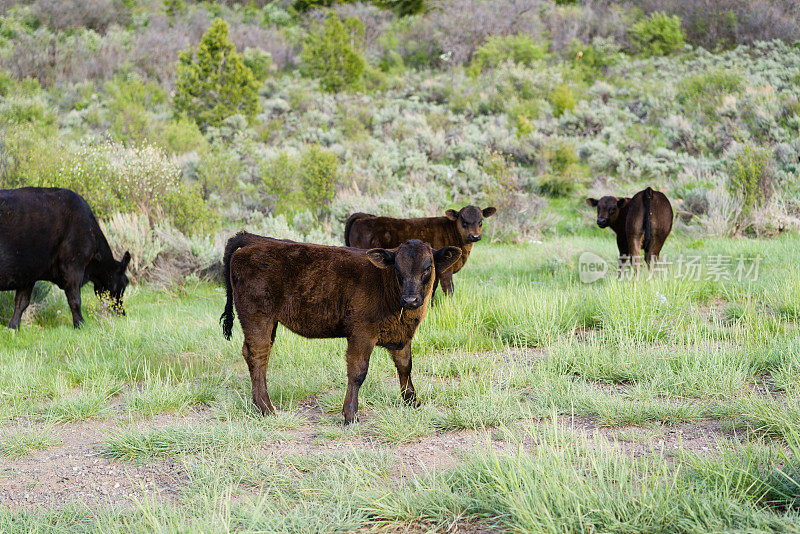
<point>435,285</point>
<point>447,282</point>
<point>635,251</point>
<point>256,349</point>
<point>402,361</point>
<point>21,301</point>
<point>621,262</point>
<point>624,254</point>
<point>73,291</point>
<point>358,353</point>
<point>652,256</point>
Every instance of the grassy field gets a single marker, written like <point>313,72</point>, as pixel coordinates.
<point>548,405</point>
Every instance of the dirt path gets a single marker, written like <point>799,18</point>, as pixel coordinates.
<point>77,471</point>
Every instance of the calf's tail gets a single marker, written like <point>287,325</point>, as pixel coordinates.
<point>348,225</point>
<point>235,243</point>
<point>648,217</point>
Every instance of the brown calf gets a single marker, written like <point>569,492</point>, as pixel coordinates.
<point>371,297</point>
<point>641,223</point>
<point>457,228</point>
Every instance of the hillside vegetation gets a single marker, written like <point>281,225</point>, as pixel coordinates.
<point>181,122</point>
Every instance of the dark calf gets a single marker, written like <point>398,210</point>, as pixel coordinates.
<point>370,297</point>
<point>641,223</point>
<point>457,228</point>
<point>51,234</point>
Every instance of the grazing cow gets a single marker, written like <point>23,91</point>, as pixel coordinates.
<point>641,223</point>
<point>51,234</point>
<point>457,228</point>
<point>370,297</point>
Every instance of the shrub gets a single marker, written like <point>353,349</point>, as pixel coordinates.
<point>590,60</point>
<point>657,35</point>
<point>258,61</point>
<point>332,53</point>
<point>96,15</point>
<point>562,98</point>
<point>497,49</point>
<point>403,8</point>
<point>112,178</point>
<point>751,176</point>
<point>556,185</point>
<point>219,171</point>
<point>182,135</point>
<point>213,82</point>
<point>187,210</point>
<point>319,176</point>
<point>279,177</point>
<point>131,99</point>
<point>134,233</point>
<point>705,91</point>
<point>725,23</point>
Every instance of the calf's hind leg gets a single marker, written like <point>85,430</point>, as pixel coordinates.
<point>256,349</point>
<point>21,301</point>
<point>402,361</point>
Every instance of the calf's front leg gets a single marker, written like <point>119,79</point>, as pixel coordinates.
<point>402,361</point>
<point>21,301</point>
<point>73,292</point>
<point>358,352</point>
<point>447,282</point>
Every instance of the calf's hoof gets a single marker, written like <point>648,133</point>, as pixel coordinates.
<point>349,420</point>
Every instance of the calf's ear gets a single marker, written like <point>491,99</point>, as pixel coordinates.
<point>488,212</point>
<point>380,257</point>
<point>126,259</point>
<point>451,214</point>
<point>622,201</point>
<point>445,257</point>
<point>592,202</point>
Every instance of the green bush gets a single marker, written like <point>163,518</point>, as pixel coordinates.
<point>332,53</point>
<point>182,135</point>
<point>562,98</point>
<point>174,8</point>
<point>258,61</point>
<point>751,175</point>
<point>27,111</point>
<point>219,171</point>
<point>213,82</point>
<point>657,35</point>
<point>110,176</point>
<point>705,91</point>
<point>187,210</point>
<point>562,155</point>
<point>497,49</point>
<point>279,178</point>
<point>319,175</point>
<point>556,185</point>
<point>130,105</point>
<point>590,60</point>
<point>402,8</point>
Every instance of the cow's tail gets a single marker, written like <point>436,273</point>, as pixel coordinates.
<point>235,243</point>
<point>348,225</point>
<point>647,200</point>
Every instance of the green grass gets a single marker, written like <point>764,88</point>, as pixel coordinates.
<point>26,441</point>
<point>523,349</point>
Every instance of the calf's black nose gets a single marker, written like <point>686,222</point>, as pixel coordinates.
<point>602,223</point>
<point>474,237</point>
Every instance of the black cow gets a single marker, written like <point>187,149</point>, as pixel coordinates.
<point>51,234</point>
